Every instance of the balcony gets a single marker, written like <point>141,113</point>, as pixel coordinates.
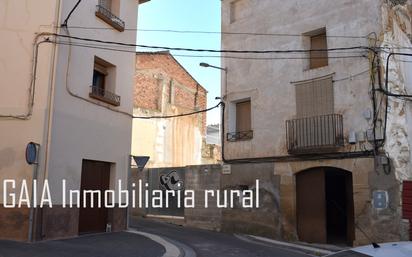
<point>314,134</point>
<point>239,136</point>
<point>104,96</point>
<point>107,16</point>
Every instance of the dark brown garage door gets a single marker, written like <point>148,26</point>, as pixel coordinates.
<point>95,176</point>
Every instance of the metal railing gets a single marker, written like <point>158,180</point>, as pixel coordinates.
<point>105,96</point>
<point>105,14</point>
<point>314,134</point>
<point>240,135</point>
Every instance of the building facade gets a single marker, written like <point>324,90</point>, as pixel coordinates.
<point>164,88</point>
<point>309,121</point>
<point>74,102</point>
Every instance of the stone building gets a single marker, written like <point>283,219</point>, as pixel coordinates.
<point>317,126</point>
<point>163,87</point>
<point>73,101</point>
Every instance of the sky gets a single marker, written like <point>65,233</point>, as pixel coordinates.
<point>187,15</point>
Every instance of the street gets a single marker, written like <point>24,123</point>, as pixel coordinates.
<point>190,241</point>
<point>211,244</point>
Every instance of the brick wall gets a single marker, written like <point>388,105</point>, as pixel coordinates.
<point>159,73</point>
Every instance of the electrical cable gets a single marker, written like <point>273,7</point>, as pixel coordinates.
<point>32,87</point>
<point>178,115</point>
<point>352,76</point>
<point>70,14</point>
<point>214,32</point>
<point>212,56</point>
<point>119,111</point>
<point>212,50</point>
<point>386,89</point>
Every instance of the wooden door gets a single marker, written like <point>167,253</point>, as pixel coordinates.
<point>95,176</point>
<point>311,206</point>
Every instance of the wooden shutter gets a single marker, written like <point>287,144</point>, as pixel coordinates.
<point>243,116</point>
<point>314,98</point>
<point>318,58</point>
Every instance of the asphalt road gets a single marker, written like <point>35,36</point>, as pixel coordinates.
<point>213,244</point>
<point>194,242</point>
<point>102,245</point>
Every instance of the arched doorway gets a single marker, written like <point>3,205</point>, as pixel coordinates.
<point>324,206</point>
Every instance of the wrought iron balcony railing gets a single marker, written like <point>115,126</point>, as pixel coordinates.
<point>106,15</point>
<point>313,134</point>
<point>238,136</point>
<point>104,96</point>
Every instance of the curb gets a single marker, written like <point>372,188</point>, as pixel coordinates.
<point>171,249</point>
<point>313,251</point>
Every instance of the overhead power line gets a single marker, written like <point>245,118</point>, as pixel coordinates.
<point>214,32</point>
<point>178,115</point>
<point>70,14</point>
<point>213,50</point>
<point>360,55</point>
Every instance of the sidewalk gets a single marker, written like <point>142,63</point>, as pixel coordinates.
<point>311,249</point>
<point>122,244</point>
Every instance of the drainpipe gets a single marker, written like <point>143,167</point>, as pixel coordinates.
<point>47,131</point>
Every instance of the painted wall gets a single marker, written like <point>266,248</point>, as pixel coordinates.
<point>84,128</point>
<point>19,21</point>
<point>68,124</point>
<point>268,82</point>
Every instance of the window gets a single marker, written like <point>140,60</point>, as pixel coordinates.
<point>103,82</point>
<point>243,124</point>
<point>316,128</point>
<point>243,116</point>
<point>109,12</point>
<point>314,98</point>
<point>318,58</point>
<point>99,76</point>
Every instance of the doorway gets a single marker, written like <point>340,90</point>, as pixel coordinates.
<point>324,206</point>
<point>95,176</point>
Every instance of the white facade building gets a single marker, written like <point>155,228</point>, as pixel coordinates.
<point>72,99</point>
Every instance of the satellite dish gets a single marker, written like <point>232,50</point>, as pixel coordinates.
<point>32,150</point>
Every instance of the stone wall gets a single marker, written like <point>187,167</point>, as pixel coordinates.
<point>199,179</point>
<point>276,215</point>
<point>264,220</point>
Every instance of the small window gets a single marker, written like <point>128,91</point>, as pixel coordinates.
<point>318,58</point>
<point>103,84</point>
<point>243,129</point>
<point>243,116</point>
<point>99,76</point>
